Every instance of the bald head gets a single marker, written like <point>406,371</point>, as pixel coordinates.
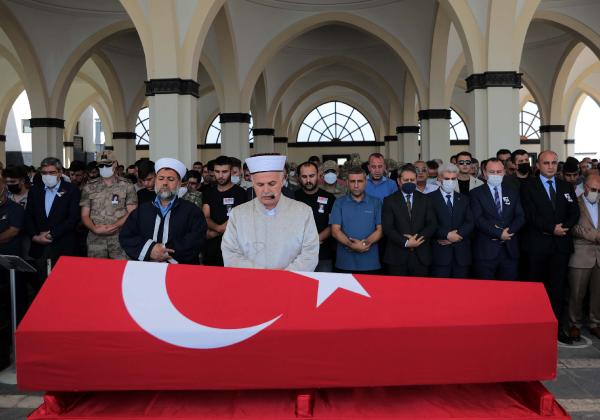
<point>547,163</point>
<point>592,183</point>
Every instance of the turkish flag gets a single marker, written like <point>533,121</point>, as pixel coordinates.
<point>118,325</point>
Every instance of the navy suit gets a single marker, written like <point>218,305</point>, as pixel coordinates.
<point>452,260</point>
<point>493,257</point>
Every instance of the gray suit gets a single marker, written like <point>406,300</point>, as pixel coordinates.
<point>584,268</point>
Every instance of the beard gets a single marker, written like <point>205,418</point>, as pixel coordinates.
<point>165,194</point>
<point>309,186</point>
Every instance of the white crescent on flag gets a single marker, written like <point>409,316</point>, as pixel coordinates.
<point>147,301</point>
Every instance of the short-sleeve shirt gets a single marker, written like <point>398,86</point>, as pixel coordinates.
<point>108,203</point>
<point>12,215</point>
<point>357,220</point>
<point>221,202</point>
<point>381,189</point>
<point>321,203</point>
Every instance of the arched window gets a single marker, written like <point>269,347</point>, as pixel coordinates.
<point>213,134</point>
<point>458,128</point>
<point>142,127</point>
<point>335,121</point>
<point>529,122</point>
<point>586,129</point>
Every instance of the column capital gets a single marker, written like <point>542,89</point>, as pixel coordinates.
<point>127,135</point>
<point>172,86</point>
<point>109,148</point>
<point>390,138</point>
<point>280,140</point>
<point>2,138</point>
<point>407,129</point>
<point>434,114</point>
<point>234,117</point>
<point>263,131</point>
<point>46,122</point>
<point>510,79</point>
<point>569,141</point>
<point>68,144</point>
<point>556,128</point>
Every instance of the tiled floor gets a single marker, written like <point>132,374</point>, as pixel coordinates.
<point>577,385</point>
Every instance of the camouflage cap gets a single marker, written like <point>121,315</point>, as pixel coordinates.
<point>330,165</point>
<point>105,160</point>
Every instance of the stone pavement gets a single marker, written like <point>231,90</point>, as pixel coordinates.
<point>577,385</point>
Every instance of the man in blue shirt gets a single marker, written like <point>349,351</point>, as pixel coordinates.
<point>356,224</point>
<point>378,185</point>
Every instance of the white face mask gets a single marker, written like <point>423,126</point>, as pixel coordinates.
<point>330,178</point>
<point>106,172</point>
<point>592,197</point>
<point>182,191</point>
<point>50,181</point>
<point>235,179</point>
<point>432,181</point>
<point>448,185</point>
<point>495,180</point>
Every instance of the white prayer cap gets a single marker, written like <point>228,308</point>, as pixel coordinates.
<point>266,163</point>
<point>171,163</point>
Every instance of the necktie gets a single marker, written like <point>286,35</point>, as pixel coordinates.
<point>409,203</point>
<point>448,202</point>
<point>552,193</point>
<point>497,201</point>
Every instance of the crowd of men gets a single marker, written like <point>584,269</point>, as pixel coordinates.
<point>498,219</point>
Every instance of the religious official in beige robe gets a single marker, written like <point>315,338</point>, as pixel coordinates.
<point>271,231</point>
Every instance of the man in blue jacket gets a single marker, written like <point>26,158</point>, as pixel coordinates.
<point>498,218</point>
<point>166,229</point>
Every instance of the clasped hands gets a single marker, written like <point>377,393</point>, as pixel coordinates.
<point>161,253</point>
<point>452,237</point>
<point>359,245</point>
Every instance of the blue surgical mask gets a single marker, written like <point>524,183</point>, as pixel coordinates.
<point>409,188</point>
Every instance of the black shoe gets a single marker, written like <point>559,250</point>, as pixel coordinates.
<point>564,338</point>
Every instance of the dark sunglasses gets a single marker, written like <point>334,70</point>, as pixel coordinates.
<point>464,162</point>
<point>104,165</point>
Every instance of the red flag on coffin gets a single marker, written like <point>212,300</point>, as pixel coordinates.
<point>100,324</point>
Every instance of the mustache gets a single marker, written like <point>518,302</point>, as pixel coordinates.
<point>268,195</point>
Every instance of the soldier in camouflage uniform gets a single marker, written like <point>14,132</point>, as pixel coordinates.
<point>105,203</point>
<point>191,194</point>
<point>332,182</point>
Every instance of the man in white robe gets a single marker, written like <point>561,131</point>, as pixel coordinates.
<point>271,231</point>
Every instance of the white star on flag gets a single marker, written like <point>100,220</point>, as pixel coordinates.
<point>330,282</point>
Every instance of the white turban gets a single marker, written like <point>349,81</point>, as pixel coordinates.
<point>171,163</point>
<point>266,163</point>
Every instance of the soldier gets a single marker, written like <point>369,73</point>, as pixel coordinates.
<point>330,176</point>
<point>105,204</point>
<point>188,191</point>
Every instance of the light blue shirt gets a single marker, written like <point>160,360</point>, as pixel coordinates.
<point>499,187</point>
<point>546,186</point>
<point>593,211</point>
<point>380,189</point>
<point>164,210</point>
<point>50,196</point>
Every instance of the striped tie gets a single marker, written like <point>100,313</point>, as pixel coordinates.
<point>497,201</point>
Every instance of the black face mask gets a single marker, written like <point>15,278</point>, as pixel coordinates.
<point>14,188</point>
<point>524,168</point>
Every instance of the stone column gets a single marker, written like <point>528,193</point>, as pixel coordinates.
<point>173,118</point>
<point>3,149</point>
<point>281,145</point>
<point>46,139</point>
<point>435,134</point>
<point>391,147</point>
<point>234,135</point>
<point>496,121</point>
<point>553,138</point>
<point>68,153</point>
<point>124,147</point>
<point>264,140</point>
<point>570,146</point>
<point>408,135</point>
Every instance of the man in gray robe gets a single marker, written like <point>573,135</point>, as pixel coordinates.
<point>271,231</point>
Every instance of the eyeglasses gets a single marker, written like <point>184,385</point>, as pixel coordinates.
<point>104,165</point>
<point>593,189</point>
<point>464,162</point>
<point>421,171</point>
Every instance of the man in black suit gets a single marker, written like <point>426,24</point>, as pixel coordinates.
<point>408,224</point>
<point>498,218</point>
<point>451,245</point>
<point>551,211</point>
<point>51,216</point>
